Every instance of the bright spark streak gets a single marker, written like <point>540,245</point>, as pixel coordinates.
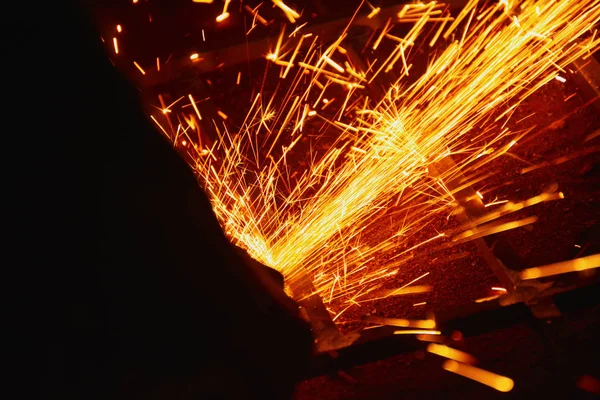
<point>495,381</point>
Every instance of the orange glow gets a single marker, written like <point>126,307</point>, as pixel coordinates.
<point>194,56</point>
<point>116,45</point>
<point>119,29</point>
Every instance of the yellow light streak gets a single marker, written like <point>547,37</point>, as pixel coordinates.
<point>195,107</point>
<point>417,332</point>
<point>139,68</point>
<point>291,15</point>
<point>453,354</point>
<point>578,264</point>
<point>222,17</point>
<point>495,381</point>
<point>116,45</point>
<point>374,12</point>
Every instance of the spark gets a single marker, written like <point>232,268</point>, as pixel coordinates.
<point>578,264</point>
<point>417,332</point>
<point>495,381</point>
<point>291,15</point>
<point>195,107</point>
<point>560,79</point>
<point>222,17</point>
<point>374,12</point>
<point>452,354</point>
<point>116,45</point>
<point>194,56</point>
<point>139,68</point>
<point>203,1</point>
<point>119,29</point>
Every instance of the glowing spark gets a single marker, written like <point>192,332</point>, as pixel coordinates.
<point>500,289</point>
<point>449,352</point>
<point>333,64</point>
<point>374,12</point>
<point>560,79</point>
<point>194,56</point>
<point>119,29</point>
<point>495,381</point>
<point>195,107</point>
<point>403,323</point>
<point>419,304</point>
<point>157,64</point>
<point>222,17</point>
<point>116,45</point>
<point>139,68</point>
<point>578,264</point>
<point>417,332</point>
<point>222,114</point>
<point>291,15</point>
<point>203,1</point>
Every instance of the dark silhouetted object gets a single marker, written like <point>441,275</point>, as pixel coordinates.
<point>121,281</point>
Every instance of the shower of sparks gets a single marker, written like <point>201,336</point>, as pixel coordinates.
<point>314,223</point>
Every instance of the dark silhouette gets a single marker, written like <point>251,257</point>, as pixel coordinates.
<point>122,282</point>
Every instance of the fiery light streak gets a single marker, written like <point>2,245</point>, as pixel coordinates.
<point>139,68</point>
<point>453,354</point>
<point>313,222</point>
<point>495,381</point>
<point>579,264</point>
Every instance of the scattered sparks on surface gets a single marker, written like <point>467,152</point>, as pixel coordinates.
<point>316,221</point>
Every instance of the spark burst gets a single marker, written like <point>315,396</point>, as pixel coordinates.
<point>316,223</point>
